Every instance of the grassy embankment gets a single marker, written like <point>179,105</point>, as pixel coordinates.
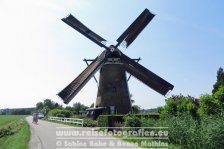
<point>14,132</point>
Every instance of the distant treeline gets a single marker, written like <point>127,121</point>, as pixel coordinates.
<point>17,111</point>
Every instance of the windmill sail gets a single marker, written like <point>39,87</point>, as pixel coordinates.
<point>113,88</point>
<point>135,28</point>
<point>77,25</point>
<point>147,77</point>
<point>68,93</point>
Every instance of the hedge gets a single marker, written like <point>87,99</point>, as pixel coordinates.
<point>118,120</point>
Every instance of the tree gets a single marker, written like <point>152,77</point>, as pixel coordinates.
<point>92,105</point>
<point>178,104</point>
<point>219,96</point>
<point>159,109</point>
<point>136,109</point>
<point>56,105</point>
<point>68,108</point>
<point>60,113</point>
<point>208,106</point>
<point>79,107</point>
<point>39,106</point>
<point>220,80</point>
<point>212,104</point>
<point>47,105</point>
<point>132,100</point>
<point>131,120</point>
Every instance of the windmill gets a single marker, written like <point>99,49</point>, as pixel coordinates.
<point>113,65</point>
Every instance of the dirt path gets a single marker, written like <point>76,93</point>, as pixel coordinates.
<point>47,135</point>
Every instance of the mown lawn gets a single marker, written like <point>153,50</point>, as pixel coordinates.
<point>20,136</point>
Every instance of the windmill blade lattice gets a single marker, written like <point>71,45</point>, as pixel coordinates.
<point>146,76</point>
<point>77,25</point>
<point>68,93</point>
<point>135,28</point>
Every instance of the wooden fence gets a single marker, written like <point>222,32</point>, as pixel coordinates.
<point>67,120</point>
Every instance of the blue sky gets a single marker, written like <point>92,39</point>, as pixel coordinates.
<point>40,55</point>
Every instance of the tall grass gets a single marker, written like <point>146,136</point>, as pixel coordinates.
<point>212,132</point>
<point>187,132</point>
<point>182,129</point>
<point>21,137</point>
<point>191,133</point>
<point>20,140</point>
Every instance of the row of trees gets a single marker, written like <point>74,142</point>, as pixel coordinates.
<point>206,105</point>
<point>77,107</point>
<point>48,105</point>
<point>17,111</point>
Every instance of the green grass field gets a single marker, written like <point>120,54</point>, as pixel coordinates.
<point>21,133</point>
<point>9,118</point>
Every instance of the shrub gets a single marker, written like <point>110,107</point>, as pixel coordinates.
<point>77,116</point>
<point>219,96</point>
<point>60,113</point>
<point>131,120</point>
<point>110,120</point>
<point>147,122</point>
<point>119,120</point>
<point>136,109</point>
<point>103,121</point>
<point>6,132</point>
<point>89,123</point>
<point>178,104</point>
<point>149,115</point>
<point>208,106</point>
